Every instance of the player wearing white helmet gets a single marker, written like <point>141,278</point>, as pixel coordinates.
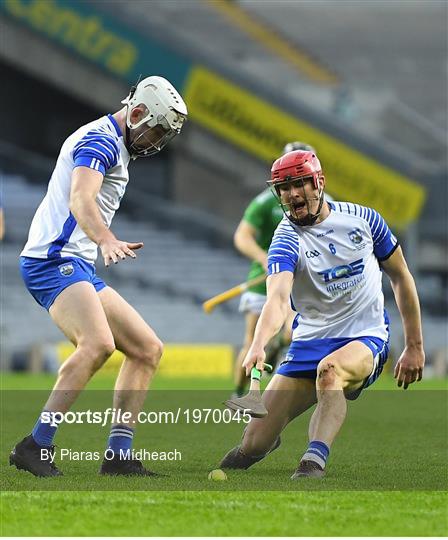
<point>327,257</point>
<point>58,267</point>
<point>163,114</point>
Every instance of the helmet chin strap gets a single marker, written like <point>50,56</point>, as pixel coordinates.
<point>128,139</point>
<point>128,142</point>
<point>311,219</point>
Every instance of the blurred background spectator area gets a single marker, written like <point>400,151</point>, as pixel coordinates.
<point>365,83</point>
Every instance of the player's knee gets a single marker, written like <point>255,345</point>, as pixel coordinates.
<point>98,351</point>
<point>327,374</point>
<point>102,349</point>
<point>150,353</point>
<point>93,357</point>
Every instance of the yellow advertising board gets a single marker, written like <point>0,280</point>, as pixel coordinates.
<point>179,360</point>
<point>263,129</point>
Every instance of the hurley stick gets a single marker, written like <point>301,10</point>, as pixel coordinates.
<point>210,304</point>
<point>251,403</point>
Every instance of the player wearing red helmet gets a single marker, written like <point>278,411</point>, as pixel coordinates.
<point>325,259</point>
<point>298,182</point>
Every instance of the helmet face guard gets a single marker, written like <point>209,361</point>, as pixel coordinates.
<point>146,140</point>
<point>164,115</point>
<point>290,209</point>
<point>296,169</point>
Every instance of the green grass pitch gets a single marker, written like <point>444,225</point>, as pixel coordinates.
<point>387,473</point>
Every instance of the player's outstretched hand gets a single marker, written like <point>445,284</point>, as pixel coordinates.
<point>409,367</point>
<point>114,250</point>
<point>255,357</point>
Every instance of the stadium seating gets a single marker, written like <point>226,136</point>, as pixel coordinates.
<point>392,86</point>
<point>167,283</point>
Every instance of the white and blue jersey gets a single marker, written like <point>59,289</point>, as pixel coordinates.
<point>58,253</point>
<point>54,232</point>
<point>337,289</point>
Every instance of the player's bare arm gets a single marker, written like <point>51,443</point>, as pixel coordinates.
<point>409,367</point>
<point>86,184</point>
<point>245,242</point>
<point>272,318</point>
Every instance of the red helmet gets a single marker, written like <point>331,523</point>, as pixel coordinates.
<point>295,165</point>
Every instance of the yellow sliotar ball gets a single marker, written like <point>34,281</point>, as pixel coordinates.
<point>217,475</point>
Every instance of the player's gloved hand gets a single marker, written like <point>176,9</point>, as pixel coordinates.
<point>409,367</point>
<point>255,357</point>
<point>113,250</point>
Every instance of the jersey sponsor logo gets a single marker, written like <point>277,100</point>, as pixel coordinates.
<point>325,233</point>
<point>342,288</point>
<point>311,254</point>
<point>343,271</point>
<point>66,269</point>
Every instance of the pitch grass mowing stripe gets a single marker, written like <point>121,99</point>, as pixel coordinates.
<point>225,514</point>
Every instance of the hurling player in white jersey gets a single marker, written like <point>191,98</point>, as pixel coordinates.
<point>57,265</point>
<point>326,259</point>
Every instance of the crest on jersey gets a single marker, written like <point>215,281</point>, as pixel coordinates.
<point>355,236</point>
<point>66,269</point>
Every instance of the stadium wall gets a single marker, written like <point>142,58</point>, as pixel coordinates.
<point>267,123</point>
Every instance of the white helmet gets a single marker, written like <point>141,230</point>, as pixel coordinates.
<point>166,113</point>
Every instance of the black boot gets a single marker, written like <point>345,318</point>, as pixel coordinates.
<point>237,459</point>
<point>27,455</point>
<point>308,469</point>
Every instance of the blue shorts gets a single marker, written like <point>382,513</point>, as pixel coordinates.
<point>304,356</point>
<point>47,278</point>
